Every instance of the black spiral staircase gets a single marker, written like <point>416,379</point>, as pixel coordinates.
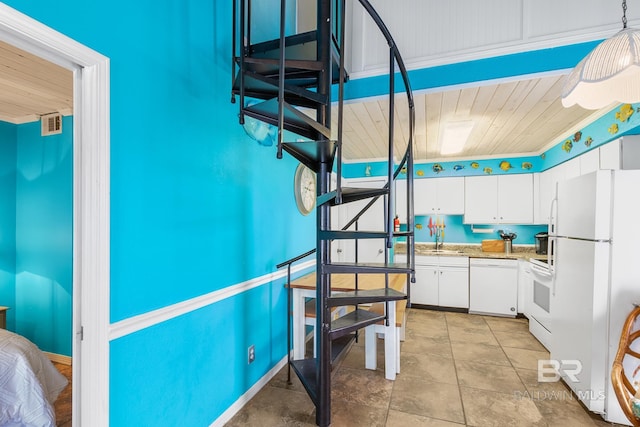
<point>275,81</point>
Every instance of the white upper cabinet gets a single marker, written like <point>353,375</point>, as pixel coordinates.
<point>548,182</point>
<point>503,199</point>
<point>481,200</point>
<point>623,153</point>
<point>549,179</point>
<point>515,199</point>
<point>432,196</point>
<point>589,161</point>
<point>439,196</point>
<point>610,155</point>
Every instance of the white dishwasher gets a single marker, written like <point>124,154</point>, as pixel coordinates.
<point>493,286</point>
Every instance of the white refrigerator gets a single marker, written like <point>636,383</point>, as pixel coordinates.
<point>595,263</point>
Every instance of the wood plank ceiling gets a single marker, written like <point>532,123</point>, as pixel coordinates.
<point>510,118</point>
<point>31,86</point>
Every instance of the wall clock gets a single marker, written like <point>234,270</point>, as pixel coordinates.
<point>304,187</point>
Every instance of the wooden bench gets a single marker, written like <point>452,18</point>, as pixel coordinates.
<point>303,290</point>
<point>310,317</point>
<point>401,314</point>
<point>380,328</point>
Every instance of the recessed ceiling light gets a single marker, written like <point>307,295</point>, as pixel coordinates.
<point>455,136</point>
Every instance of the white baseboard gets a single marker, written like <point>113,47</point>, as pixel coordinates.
<point>58,358</point>
<point>245,398</point>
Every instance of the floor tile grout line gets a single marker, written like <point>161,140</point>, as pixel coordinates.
<point>448,321</point>
<point>455,368</point>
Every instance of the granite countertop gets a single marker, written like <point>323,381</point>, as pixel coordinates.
<point>470,250</point>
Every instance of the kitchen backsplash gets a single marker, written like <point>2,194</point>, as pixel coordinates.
<point>457,232</point>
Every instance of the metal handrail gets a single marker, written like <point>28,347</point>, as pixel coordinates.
<point>288,264</point>
<point>295,259</point>
<point>395,57</point>
<point>407,159</point>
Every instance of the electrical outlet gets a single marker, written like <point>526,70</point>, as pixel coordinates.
<point>252,353</point>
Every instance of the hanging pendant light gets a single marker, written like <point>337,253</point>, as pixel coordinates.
<point>610,73</point>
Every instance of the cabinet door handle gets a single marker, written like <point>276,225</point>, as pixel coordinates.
<point>380,251</point>
<point>339,251</point>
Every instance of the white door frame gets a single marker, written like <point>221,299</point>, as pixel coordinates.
<point>91,180</point>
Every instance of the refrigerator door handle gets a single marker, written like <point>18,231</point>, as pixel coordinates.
<point>553,284</point>
<point>552,232</point>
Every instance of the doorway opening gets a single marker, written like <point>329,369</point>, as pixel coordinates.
<point>91,142</point>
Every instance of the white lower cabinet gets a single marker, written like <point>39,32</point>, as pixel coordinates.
<point>425,291</point>
<point>453,287</point>
<point>493,286</point>
<point>440,281</point>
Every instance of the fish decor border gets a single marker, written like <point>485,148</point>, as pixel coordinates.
<point>618,122</point>
<point>622,120</point>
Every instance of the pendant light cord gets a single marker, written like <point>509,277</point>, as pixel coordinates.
<point>624,14</point>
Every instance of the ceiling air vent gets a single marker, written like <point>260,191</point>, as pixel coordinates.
<point>51,124</point>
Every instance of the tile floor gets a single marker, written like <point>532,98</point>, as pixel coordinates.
<point>456,369</point>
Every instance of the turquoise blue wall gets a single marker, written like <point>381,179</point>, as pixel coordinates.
<point>8,219</point>
<point>196,206</point>
<point>207,350</point>
<point>44,237</point>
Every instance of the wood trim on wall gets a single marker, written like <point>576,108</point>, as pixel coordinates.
<point>137,323</point>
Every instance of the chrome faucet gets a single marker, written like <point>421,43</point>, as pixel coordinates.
<point>439,237</point>
<point>437,228</point>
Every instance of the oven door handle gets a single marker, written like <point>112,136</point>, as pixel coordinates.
<point>540,271</point>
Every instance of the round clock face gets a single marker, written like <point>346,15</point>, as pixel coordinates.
<point>305,189</point>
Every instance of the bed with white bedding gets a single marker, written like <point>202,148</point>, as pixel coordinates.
<point>29,383</point>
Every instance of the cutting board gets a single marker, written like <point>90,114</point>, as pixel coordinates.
<point>493,245</point>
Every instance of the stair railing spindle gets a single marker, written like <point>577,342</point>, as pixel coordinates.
<point>234,30</point>
<point>411,256</point>
<point>340,103</point>
<point>283,17</point>
<point>390,205</point>
<point>289,324</point>
<point>355,252</point>
<point>243,52</point>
